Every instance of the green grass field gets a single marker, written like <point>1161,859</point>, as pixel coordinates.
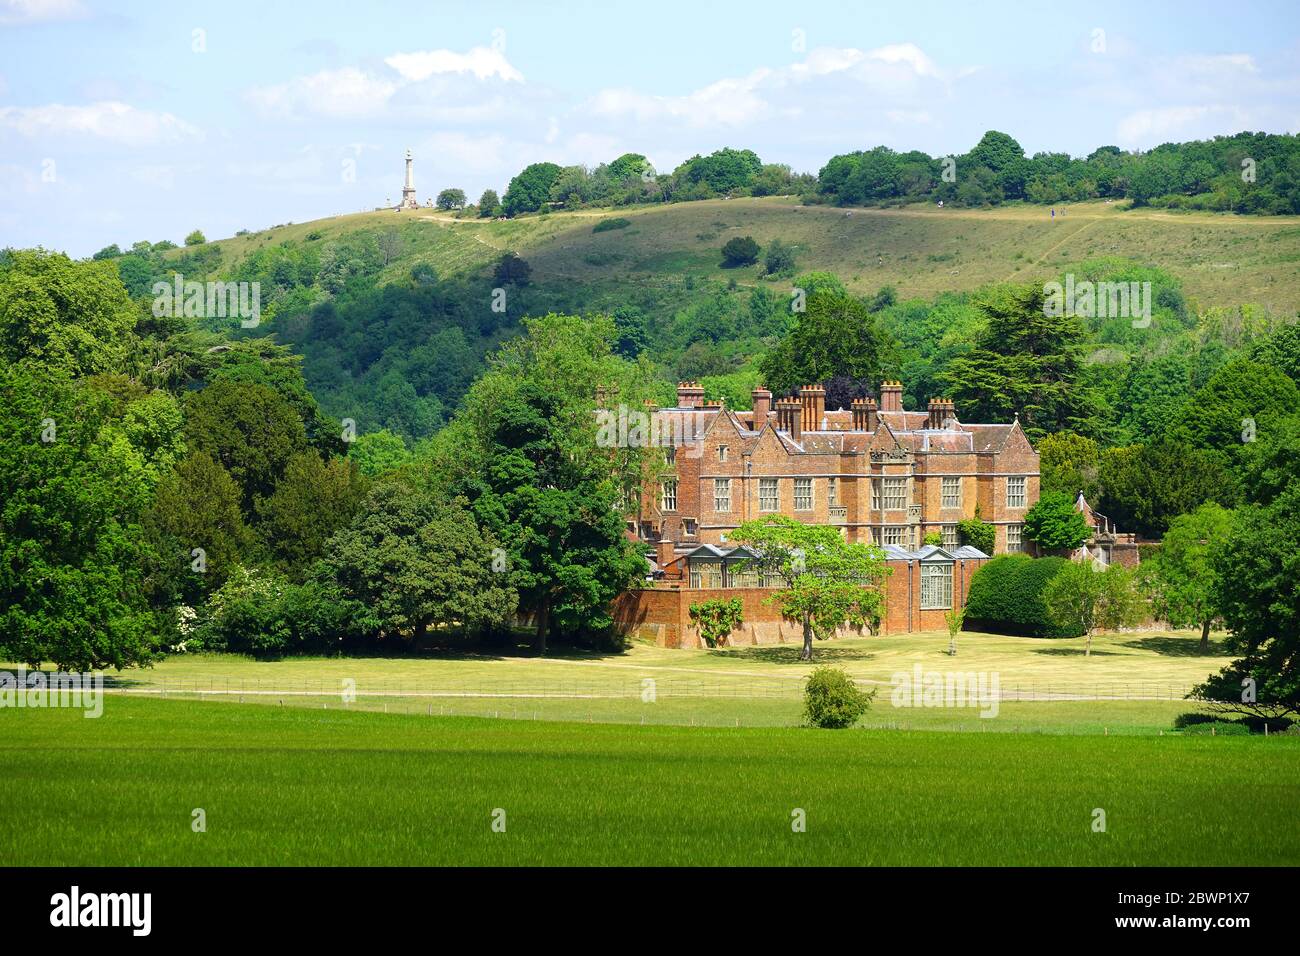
<point>298,786</point>
<point>1223,260</point>
<point>1132,683</point>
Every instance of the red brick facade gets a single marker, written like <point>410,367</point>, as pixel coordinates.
<point>878,473</point>
<point>662,614</point>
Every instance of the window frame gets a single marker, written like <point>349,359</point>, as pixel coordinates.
<point>947,500</point>
<point>936,575</point>
<point>722,494</point>
<point>797,497</point>
<point>664,496</point>
<point>1021,497</point>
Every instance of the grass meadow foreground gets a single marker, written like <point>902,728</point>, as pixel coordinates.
<point>298,786</point>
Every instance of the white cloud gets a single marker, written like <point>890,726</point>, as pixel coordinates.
<point>482,62</point>
<point>728,102</point>
<point>1151,127</point>
<point>17,12</point>
<point>110,120</point>
<point>344,93</point>
<point>437,85</point>
<point>768,93</point>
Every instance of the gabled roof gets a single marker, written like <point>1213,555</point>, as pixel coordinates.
<point>931,553</point>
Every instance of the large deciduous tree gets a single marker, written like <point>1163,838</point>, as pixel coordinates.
<point>524,450</point>
<point>1181,577</point>
<point>65,317</point>
<point>829,583</point>
<point>1082,596</point>
<point>72,557</point>
<point>1256,570</point>
<point>417,562</point>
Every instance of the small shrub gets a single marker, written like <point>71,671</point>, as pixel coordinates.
<point>832,700</point>
<point>780,259</point>
<point>605,225</point>
<point>740,251</point>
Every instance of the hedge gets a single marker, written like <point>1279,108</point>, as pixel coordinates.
<point>1006,597</point>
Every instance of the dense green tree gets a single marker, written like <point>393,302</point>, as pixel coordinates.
<point>1054,524</point>
<point>196,528</point>
<point>1181,578</point>
<point>378,452</point>
<point>195,238</point>
<point>66,317</point>
<point>1025,362</point>
<point>531,189</point>
<point>524,450</point>
<point>739,251</point>
<point>72,556</point>
<point>722,171</point>
<point>1144,487</point>
<point>829,583</point>
<point>489,204</point>
<point>1256,572</point>
<point>417,563</point>
<point>1069,463</point>
<point>512,270</point>
<point>628,166</point>
<point>250,429</point>
<point>836,335</point>
<point>450,199</point>
<point>313,500</point>
<point>1281,350</point>
<point>779,260</point>
<point>1242,401</point>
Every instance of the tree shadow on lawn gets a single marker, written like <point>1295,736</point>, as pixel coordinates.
<point>1179,646</point>
<point>1073,652</point>
<point>789,654</point>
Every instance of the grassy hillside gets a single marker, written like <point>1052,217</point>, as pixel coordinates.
<point>1222,260</point>
<point>312,787</point>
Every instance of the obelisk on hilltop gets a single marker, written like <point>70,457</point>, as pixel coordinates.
<point>408,191</point>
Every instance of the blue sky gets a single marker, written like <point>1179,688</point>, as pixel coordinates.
<point>133,120</point>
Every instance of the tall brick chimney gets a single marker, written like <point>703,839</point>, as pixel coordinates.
<point>864,414</point>
<point>891,396</point>
<point>690,394</point>
<point>762,405</point>
<point>812,402</point>
<point>942,411</point>
<point>790,418</point>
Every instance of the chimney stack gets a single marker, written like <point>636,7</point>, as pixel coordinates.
<point>762,405</point>
<point>690,394</point>
<point>864,414</point>
<point>664,553</point>
<point>891,396</point>
<point>812,401</point>
<point>789,417</point>
<point>942,412</point>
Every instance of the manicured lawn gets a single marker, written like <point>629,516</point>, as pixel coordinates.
<point>300,786</point>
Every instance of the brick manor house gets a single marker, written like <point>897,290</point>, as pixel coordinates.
<point>882,474</point>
